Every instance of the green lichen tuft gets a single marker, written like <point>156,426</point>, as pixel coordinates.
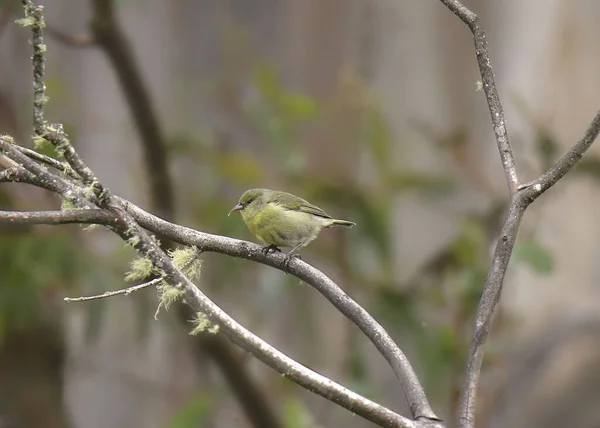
<point>167,295</point>
<point>140,268</point>
<point>68,204</point>
<point>40,143</point>
<point>134,241</point>
<point>187,259</point>
<point>202,324</point>
<point>28,21</point>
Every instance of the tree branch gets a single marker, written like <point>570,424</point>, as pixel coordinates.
<point>38,60</point>
<point>72,40</point>
<point>521,197</point>
<point>489,88</point>
<point>236,333</point>
<point>110,37</point>
<point>318,280</point>
<point>28,218</point>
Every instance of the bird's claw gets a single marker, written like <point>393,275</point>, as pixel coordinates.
<point>288,259</point>
<point>271,249</point>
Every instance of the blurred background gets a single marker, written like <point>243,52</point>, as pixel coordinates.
<point>369,109</point>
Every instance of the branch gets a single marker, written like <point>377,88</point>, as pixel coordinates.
<point>489,88</point>
<point>521,197</point>
<point>74,41</point>
<point>127,227</point>
<point>38,60</point>
<point>47,160</point>
<point>413,390</point>
<point>28,218</point>
<point>567,162</point>
<point>110,37</point>
<point>127,291</point>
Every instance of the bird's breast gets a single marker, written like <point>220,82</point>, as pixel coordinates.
<point>275,225</point>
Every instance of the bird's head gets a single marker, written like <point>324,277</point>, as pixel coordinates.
<point>248,199</point>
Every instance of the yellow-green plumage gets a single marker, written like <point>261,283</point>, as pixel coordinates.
<point>280,219</point>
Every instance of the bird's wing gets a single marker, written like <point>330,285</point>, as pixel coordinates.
<point>294,203</point>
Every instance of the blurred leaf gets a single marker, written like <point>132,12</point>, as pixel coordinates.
<point>376,135</point>
<point>192,413</point>
<point>538,257</point>
<point>396,306</point>
<point>239,168</point>
<point>424,183</point>
<point>34,264</point>
<point>298,107</point>
<point>297,415</point>
<point>547,148</point>
<point>472,280</point>
<point>469,246</point>
<point>267,82</point>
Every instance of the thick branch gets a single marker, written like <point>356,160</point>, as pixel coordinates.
<point>490,90</point>
<point>92,216</point>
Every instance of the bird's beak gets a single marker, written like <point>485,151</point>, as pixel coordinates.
<point>236,208</point>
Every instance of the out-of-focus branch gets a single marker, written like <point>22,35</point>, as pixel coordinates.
<point>71,40</point>
<point>110,37</point>
<point>521,196</point>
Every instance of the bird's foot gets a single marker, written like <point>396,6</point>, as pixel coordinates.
<point>271,249</point>
<point>288,259</point>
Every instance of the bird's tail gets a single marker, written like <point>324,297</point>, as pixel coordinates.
<point>343,223</point>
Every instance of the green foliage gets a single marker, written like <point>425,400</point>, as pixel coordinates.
<point>34,267</point>
<point>193,413</point>
<point>297,415</point>
<point>533,253</point>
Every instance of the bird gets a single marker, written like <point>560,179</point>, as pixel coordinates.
<point>280,219</point>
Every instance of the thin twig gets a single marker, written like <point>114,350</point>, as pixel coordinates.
<point>47,160</point>
<point>46,179</point>
<point>55,133</point>
<point>127,291</point>
<point>490,90</point>
<point>124,291</point>
<point>567,162</point>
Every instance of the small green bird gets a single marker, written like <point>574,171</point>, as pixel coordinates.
<point>280,219</point>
